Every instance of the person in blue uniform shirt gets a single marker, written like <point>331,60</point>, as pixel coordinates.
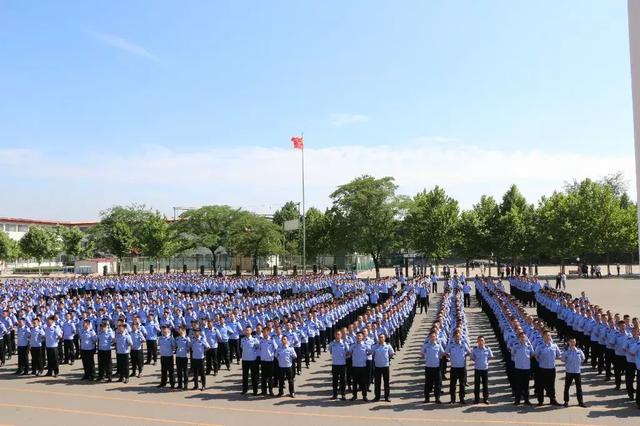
<point>480,355</point>
<point>212,335</point>
<point>338,350</point>
<point>137,339</point>
<point>22,333</point>
<point>199,347</point>
<point>267,355</point>
<point>573,358</point>
<point>105,339</point>
<point>546,354</point>
<point>432,352</point>
<point>87,340</point>
<point>286,356</point>
<point>466,291</point>
<point>423,295</point>
<point>69,332</point>
<point>223,346</point>
<point>123,349</point>
<point>359,353</point>
<point>250,351</point>
<point>521,353</point>
<point>457,351</point>
<point>182,343</point>
<point>152,329</point>
<point>36,338</point>
<point>382,354</point>
<point>52,336</point>
<point>167,347</point>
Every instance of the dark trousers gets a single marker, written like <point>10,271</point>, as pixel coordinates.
<point>250,367</point>
<point>424,304</point>
<point>197,365</point>
<point>234,350</point>
<point>88,363</point>
<point>609,358</point>
<point>380,374</point>
<point>457,376</point>
<point>338,379</point>
<point>122,366</point>
<point>546,383</point>
<point>266,376</point>
<point>136,361</point>
<point>467,300</point>
<point>619,366</point>
<point>596,357</point>
<point>305,352</point>
<point>481,376</point>
<point>68,351</point>
<point>521,384</point>
<point>360,380</point>
<point>52,361</point>
<point>152,351</point>
<point>212,360</point>
<point>23,359</point>
<point>167,371</point>
<point>298,359</point>
<point>432,377</point>
<point>104,364</point>
<point>568,380</point>
<point>223,354</point>
<point>629,376</point>
<point>36,360</point>
<point>182,368</point>
<point>286,373</point>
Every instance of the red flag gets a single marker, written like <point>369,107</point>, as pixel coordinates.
<point>298,142</point>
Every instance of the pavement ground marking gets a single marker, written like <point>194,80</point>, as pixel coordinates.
<point>101,414</point>
<point>297,413</point>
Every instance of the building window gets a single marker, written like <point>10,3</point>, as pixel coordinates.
<point>23,228</point>
<point>1,226</point>
<point>10,227</point>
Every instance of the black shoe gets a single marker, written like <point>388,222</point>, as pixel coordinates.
<point>528,403</point>
<point>334,397</point>
<point>365,399</point>
<point>376,399</point>
<point>463,402</point>
<point>582,404</point>
<point>126,381</point>
<point>387,400</point>
<point>353,398</point>
<point>343,398</point>
<point>555,403</point>
<point>566,404</point>
<point>516,403</point>
<point>426,400</point>
<point>438,401</point>
<point>292,395</point>
<point>476,401</point>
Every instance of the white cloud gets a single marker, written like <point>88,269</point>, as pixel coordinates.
<point>343,119</point>
<point>263,178</point>
<point>120,43</point>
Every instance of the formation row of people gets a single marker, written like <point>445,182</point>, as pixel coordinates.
<point>610,341</point>
<point>361,352</point>
<point>528,348</point>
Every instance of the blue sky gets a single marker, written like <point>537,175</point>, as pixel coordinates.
<point>194,103</point>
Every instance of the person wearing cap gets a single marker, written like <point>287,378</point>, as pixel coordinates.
<point>167,346</point>
<point>69,332</point>
<point>358,352</point>
<point>87,339</point>
<point>105,339</point>
<point>212,335</point>
<point>338,349</point>
<point>199,347</point>
<point>573,358</point>
<point>123,344</point>
<point>480,355</point>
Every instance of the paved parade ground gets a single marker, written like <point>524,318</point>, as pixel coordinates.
<point>69,401</point>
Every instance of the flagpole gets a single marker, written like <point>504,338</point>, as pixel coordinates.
<point>304,214</point>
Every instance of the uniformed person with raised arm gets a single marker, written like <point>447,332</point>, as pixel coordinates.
<point>22,333</point>
<point>52,336</point>
<point>573,358</point>
<point>123,349</point>
<point>267,355</point>
<point>36,338</point>
<point>167,346</point>
<point>88,339</point>
<point>182,343</point>
<point>199,347</point>
<point>286,355</point>
<point>546,354</point>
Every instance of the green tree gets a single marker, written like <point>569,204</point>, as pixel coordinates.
<point>514,226</point>
<point>72,240</point>
<point>208,226</point>
<point>292,239</point>
<point>317,234</point>
<point>555,225</point>
<point>119,229</point>
<point>432,223</point>
<point>255,236</point>
<point>156,237</point>
<point>40,243</point>
<point>365,214</point>
<point>9,249</point>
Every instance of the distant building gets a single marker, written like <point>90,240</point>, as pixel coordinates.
<point>17,227</point>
